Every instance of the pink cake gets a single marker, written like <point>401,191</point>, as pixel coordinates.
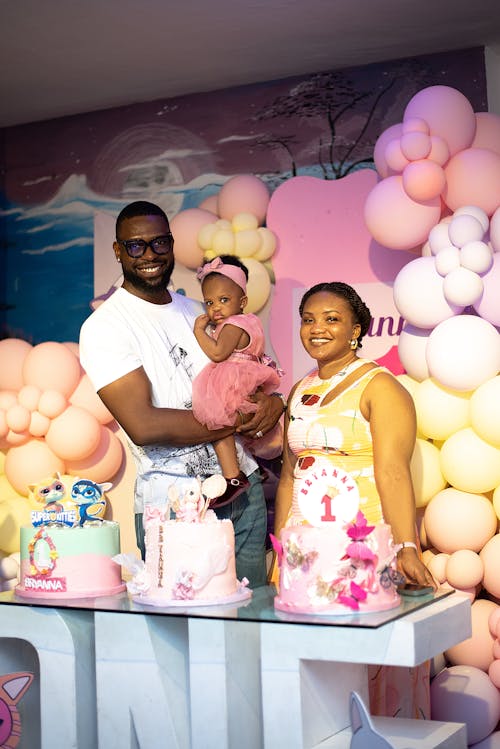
<point>189,560</point>
<point>337,568</point>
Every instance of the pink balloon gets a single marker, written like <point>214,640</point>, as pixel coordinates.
<point>14,439</point>
<point>52,366</point>
<point>210,204</point>
<point>457,520</point>
<point>487,131</point>
<point>18,418</point>
<point>464,569</point>
<point>493,622</point>
<point>39,424</point>
<point>3,425</point>
<point>415,145</point>
<point>488,307</point>
<point>52,403</point>
<point>28,396</point>
<point>464,694</point>
<point>29,463</point>
<point>490,555</point>
<point>494,673</point>
<point>86,397</point>
<point>448,113</point>
<point>473,178</point>
<point>185,227</point>
<point>392,133</point>
<point>440,153</point>
<point>394,156</point>
<point>74,435</point>
<point>13,352</point>
<point>7,399</point>
<point>412,278</point>
<point>477,650</point>
<point>415,125</point>
<point>495,230</point>
<point>395,220</point>
<point>103,463</point>
<point>423,180</point>
<point>244,193</point>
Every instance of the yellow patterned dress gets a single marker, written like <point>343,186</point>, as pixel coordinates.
<point>337,434</point>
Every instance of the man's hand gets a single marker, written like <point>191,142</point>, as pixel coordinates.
<point>269,410</point>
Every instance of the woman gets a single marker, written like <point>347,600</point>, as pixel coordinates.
<point>355,415</point>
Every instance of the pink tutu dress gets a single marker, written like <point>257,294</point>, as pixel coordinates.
<point>222,388</point>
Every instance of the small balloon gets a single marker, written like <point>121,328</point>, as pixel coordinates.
<point>74,434</point>
<point>462,287</point>
<point>464,228</point>
<point>477,257</point>
<point>52,366</point>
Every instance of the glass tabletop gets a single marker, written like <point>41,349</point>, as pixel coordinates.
<point>258,608</point>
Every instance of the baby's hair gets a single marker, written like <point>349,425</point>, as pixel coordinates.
<point>360,311</point>
<point>227,260</point>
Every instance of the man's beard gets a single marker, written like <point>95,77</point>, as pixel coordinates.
<point>148,286</point>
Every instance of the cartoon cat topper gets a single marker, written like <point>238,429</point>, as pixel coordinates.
<point>50,492</point>
<point>89,496</point>
<point>12,688</point>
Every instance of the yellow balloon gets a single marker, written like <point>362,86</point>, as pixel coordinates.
<point>267,245</point>
<point>485,411</point>
<point>426,473</point>
<point>246,242</point>
<point>441,411</point>
<point>14,512</point>
<point>206,236</point>
<point>469,463</point>
<point>496,501</point>
<point>244,221</point>
<point>258,286</point>
<point>223,242</point>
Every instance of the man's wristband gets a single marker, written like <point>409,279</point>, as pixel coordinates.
<point>405,545</point>
<point>283,400</point>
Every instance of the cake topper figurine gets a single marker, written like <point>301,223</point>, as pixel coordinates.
<point>51,493</point>
<point>89,496</point>
<point>191,506</point>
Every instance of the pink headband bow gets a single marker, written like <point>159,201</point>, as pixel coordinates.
<point>230,271</point>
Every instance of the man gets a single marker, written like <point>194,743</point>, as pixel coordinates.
<point>140,353</point>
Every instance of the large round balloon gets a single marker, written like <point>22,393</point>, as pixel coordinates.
<point>477,650</point>
<point>487,131</point>
<point>422,312</point>
<point>426,474</point>
<point>448,113</point>
<point>395,220</point>
<point>185,227</point>
<point>495,230</point>
<point>29,463</point>
<point>488,306</point>
<point>459,520</point>
<point>440,411</point>
<point>13,352</point>
<point>464,569</point>
<point>490,556</point>
<point>244,193</point>
<point>86,397</point>
<point>52,366</point>
<point>485,411</point>
<point>74,435</point>
<point>392,133</point>
<point>258,286</point>
<point>463,352</point>
<point>483,190</point>
<point>412,344</point>
<point>469,463</point>
<point>465,694</point>
<point>103,463</point>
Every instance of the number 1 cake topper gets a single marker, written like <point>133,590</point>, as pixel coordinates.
<point>327,495</point>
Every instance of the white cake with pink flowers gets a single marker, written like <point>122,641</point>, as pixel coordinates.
<point>331,561</point>
<point>190,560</point>
<point>337,569</point>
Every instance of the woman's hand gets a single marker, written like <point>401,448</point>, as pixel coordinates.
<point>414,569</point>
<point>268,412</point>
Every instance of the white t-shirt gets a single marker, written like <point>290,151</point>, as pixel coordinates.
<point>125,333</point>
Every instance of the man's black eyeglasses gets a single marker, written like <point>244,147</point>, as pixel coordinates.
<point>137,247</point>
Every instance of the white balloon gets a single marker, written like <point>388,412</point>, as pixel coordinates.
<point>419,296</point>
<point>463,229</point>
<point>476,256</point>
<point>462,286</point>
<point>447,259</point>
<point>463,352</point>
<point>439,237</point>
<point>495,230</point>
<point>412,344</point>
<point>474,210</point>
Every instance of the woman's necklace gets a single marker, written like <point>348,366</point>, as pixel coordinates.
<point>336,378</point>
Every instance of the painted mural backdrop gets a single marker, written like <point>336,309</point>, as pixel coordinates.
<point>58,175</point>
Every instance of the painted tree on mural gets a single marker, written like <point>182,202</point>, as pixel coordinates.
<point>346,113</point>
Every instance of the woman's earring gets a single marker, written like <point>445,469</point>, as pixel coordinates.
<point>353,343</point>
